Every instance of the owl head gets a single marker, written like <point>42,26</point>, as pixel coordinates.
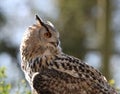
<point>41,38</point>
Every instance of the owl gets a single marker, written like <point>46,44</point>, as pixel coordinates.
<point>48,70</point>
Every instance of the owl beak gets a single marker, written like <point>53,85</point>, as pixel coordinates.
<point>39,21</point>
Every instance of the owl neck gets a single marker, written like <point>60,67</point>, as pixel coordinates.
<point>37,58</point>
<point>28,53</point>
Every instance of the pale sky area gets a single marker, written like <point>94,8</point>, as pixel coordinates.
<point>19,13</point>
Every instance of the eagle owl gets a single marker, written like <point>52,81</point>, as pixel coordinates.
<point>50,71</point>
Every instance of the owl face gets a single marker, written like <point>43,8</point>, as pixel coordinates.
<point>48,35</point>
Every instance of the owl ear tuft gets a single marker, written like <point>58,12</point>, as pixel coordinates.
<point>39,21</point>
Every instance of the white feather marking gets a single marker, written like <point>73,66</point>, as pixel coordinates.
<point>49,23</point>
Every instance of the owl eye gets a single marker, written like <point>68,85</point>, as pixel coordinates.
<point>48,35</point>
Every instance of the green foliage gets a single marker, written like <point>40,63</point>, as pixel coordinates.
<point>6,87</point>
<point>112,83</point>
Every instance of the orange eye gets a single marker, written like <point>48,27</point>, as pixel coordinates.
<point>47,35</point>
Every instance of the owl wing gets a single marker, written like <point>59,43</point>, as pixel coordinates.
<point>51,81</point>
<point>68,75</point>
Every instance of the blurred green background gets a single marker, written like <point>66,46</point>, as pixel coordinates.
<point>89,30</point>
